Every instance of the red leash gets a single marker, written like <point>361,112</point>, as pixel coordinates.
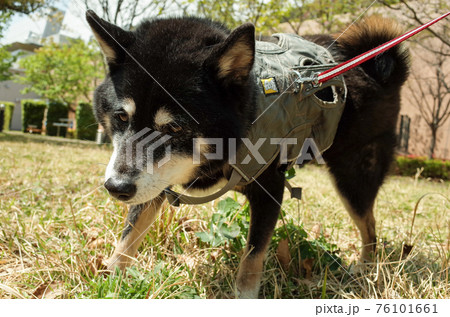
<point>355,61</point>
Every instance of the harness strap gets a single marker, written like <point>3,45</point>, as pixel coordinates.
<point>175,198</point>
<point>296,192</point>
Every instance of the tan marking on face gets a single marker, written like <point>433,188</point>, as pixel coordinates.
<point>129,106</point>
<point>201,147</point>
<point>163,117</point>
<point>108,52</point>
<point>178,170</point>
<point>236,60</point>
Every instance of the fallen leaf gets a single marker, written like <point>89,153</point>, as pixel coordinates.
<point>91,233</point>
<point>49,290</point>
<point>40,290</point>
<point>188,260</point>
<point>406,250</point>
<point>354,258</point>
<point>96,264</point>
<point>95,244</point>
<point>283,254</point>
<point>307,265</point>
<point>214,255</point>
<point>316,230</point>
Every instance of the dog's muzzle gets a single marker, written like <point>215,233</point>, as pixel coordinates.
<point>121,189</point>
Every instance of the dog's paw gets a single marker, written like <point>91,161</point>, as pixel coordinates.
<point>247,286</point>
<point>248,294</point>
<point>362,267</point>
<point>117,264</point>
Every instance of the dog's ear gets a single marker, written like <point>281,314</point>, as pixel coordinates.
<point>112,39</point>
<point>233,59</point>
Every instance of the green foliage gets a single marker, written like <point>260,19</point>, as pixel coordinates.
<point>56,111</point>
<point>269,14</point>
<point>137,285</point>
<point>22,6</point>
<point>62,73</point>
<point>229,225</point>
<point>9,108</point>
<point>86,123</point>
<point>6,61</point>
<point>324,286</point>
<point>4,20</point>
<point>432,168</point>
<point>290,173</point>
<point>322,252</point>
<point>32,113</point>
<point>234,13</point>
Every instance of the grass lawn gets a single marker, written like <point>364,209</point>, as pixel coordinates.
<point>58,224</point>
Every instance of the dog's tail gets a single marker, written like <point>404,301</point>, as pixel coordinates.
<point>389,69</point>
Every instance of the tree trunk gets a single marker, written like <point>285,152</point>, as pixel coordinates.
<point>432,143</point>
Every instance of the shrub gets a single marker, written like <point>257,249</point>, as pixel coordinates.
<point>432,168</point>
<point>9,108</point>
<point>56,111</point>
<point>32,113</point>
<point>86,123</point>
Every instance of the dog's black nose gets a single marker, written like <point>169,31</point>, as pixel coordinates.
<point>120,189</point>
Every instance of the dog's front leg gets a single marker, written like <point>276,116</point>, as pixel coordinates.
<point>265,195</point>
<point>139,221</point>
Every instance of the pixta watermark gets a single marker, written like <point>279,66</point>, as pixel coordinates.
<point>142,146</point>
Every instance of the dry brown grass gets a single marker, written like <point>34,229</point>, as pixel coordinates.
<point>57,224</point>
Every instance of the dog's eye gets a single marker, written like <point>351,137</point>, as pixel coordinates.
<point>123,116</point>
<point>172,129</point>
<point>175,129</point>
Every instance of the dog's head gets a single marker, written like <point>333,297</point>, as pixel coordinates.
<point>170,82</point>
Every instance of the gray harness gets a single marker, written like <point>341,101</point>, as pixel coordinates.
<point>288,111</point>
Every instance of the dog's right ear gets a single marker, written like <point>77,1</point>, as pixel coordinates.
<point>112,39</point>
<point>233,59</point>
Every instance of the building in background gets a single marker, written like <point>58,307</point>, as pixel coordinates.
<point>10,90</point>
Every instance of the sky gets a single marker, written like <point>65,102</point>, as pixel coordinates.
<point>74,24</point>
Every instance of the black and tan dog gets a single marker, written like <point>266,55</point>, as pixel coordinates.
<point>192,78</point>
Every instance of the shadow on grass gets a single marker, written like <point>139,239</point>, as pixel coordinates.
<point>20,137</point>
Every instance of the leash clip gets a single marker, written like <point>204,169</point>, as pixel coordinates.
<point>309,77</point>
